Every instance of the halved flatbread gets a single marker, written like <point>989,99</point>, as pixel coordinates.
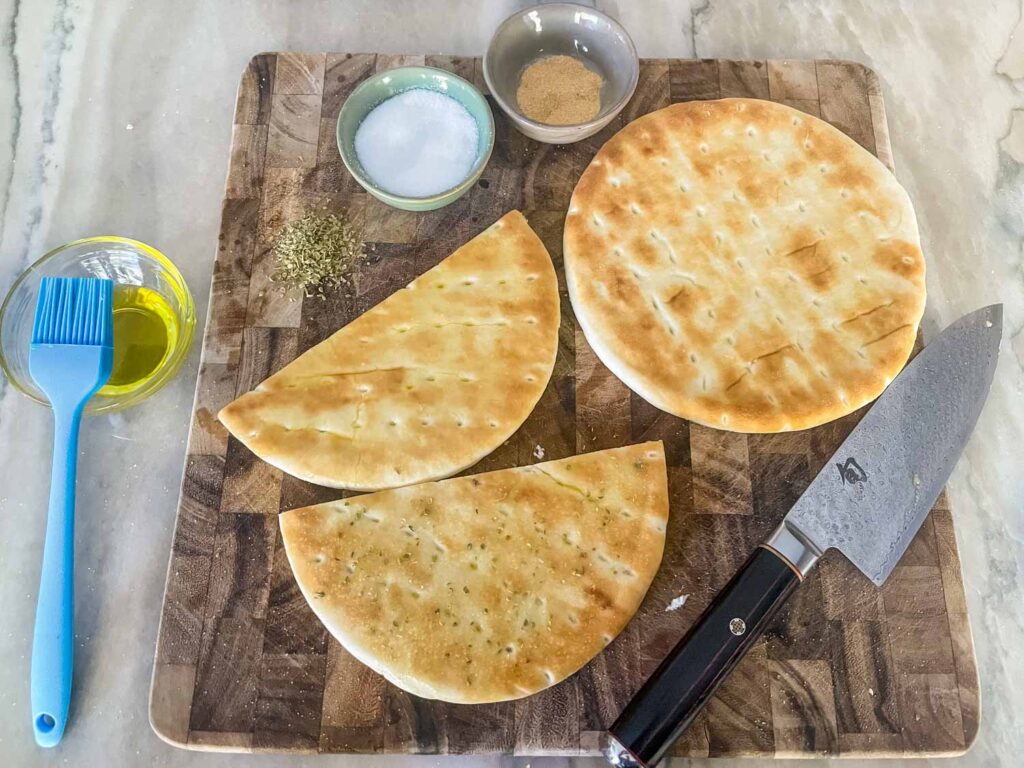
<point>488,587</point>
<point>744,265</point>
<point>423,385</point>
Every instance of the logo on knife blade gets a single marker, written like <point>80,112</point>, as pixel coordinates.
<point>851,472</point>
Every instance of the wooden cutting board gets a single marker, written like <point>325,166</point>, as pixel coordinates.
<point>243,664</point>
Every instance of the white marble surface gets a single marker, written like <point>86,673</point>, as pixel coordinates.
<point>115,118</point>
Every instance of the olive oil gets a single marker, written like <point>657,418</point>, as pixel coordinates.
<point>145,333</point>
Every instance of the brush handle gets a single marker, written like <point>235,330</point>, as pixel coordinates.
<point>53,641</point>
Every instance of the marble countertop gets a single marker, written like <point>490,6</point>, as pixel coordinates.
<point>115,118</point>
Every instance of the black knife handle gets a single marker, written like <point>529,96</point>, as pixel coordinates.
<point>685,681</point>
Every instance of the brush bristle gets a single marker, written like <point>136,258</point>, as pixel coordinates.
<point>74,310</point>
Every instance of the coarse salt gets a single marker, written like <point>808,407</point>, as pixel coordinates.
<point>418,143</point>
<point>677,603</point>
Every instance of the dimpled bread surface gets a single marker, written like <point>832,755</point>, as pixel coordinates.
<point>424,384</point>
<point>744,265</point>
<point>488,587</point>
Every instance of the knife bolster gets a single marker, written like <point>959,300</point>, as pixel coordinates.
<point>796,551</point>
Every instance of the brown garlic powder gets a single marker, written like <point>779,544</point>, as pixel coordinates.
<point>559,90</point>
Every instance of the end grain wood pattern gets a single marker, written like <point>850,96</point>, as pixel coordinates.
<point>242,663</point>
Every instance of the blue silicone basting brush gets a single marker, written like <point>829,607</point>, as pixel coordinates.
<point>70,358</point>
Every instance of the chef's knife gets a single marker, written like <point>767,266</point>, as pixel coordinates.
<point>868,502</point>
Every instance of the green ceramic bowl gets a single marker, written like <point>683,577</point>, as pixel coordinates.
<point>383,86</point>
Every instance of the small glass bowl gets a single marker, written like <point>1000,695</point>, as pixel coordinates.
<point>126,262</point>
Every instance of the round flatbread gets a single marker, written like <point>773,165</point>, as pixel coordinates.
<point>488,587</point>
<point>423,385</point>
<point>744,265</point>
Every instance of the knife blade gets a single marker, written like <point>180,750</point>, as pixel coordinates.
<point>868,502</point>
<point>885,477</point>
